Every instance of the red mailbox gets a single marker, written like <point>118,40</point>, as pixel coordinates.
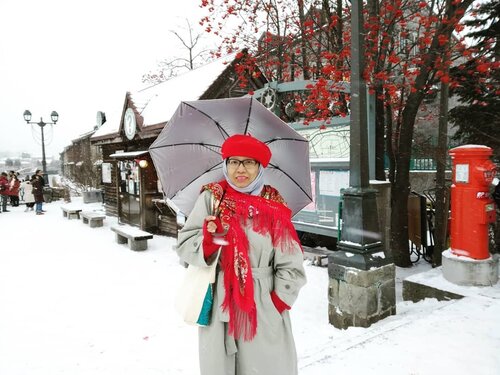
<point>472,208</point>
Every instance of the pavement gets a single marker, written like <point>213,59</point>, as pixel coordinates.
<point>459,336</point>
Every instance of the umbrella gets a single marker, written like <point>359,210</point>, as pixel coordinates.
<point>187,154</point>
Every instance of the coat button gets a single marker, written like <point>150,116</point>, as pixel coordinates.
<point>195,244</point>
<point>287,286</point>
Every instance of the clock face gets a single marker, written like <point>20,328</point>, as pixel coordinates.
<point>129,125</point>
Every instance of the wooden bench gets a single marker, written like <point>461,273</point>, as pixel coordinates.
<point>136,238</point>
<point>93,219</point>
<point>71,212</point>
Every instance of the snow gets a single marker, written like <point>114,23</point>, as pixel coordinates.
<point>159,102</point>
<point>73,301</point>
<point>463,255</point>
<point>156,104</point>
<point>471,146</point>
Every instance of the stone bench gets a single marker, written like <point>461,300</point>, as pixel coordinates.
<point>93,219</point>
<point>319,256</point>
<point>136,238</point>
<point>71,212</point>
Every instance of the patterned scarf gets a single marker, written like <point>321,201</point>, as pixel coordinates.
<point>270,216</point>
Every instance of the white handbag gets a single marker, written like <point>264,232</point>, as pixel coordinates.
<point>195,294</point>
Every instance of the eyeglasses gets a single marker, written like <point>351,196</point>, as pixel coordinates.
<point>247,163</point>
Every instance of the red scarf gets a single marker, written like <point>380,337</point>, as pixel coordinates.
<point>269,215</point>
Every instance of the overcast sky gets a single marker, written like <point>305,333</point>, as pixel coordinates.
<point>77,58</point>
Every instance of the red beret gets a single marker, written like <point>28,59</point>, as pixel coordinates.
<point>246,145</point>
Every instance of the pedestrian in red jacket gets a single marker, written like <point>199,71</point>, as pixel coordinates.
<point>4,189</point>
<point>14,185</point>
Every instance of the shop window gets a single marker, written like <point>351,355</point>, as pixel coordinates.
<point>129,177</point>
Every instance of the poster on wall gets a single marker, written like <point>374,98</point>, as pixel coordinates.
<point>330,182</point>
<point>106,173</point>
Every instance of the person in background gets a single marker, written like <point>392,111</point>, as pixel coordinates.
<point>260,271</point>
<point>21,189</point>
<point>14,185</point>
<point>4,191</point>
<point>29,198</point>
<point>38,184</point>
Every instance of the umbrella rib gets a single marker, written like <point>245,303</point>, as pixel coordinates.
<point>285,139</point>
<point>248,116</point>
<point>194,179</point>
<point>206,145</point>
<point>291,179</point>
<point>221,129</point>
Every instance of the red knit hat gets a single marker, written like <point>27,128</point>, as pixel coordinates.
<point>246,145</point>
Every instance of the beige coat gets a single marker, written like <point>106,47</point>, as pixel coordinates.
<point>272,351</point>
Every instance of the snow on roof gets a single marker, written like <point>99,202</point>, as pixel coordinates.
<point>82,136</point>
<point>111,126</point>
<point>157,103</point>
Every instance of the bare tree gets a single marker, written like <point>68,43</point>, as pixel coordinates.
<point>170,67</point>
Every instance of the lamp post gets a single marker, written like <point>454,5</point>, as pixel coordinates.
<point>361,279</point>
<point>54,116</point>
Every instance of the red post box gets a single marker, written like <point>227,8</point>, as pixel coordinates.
<point>472,208</point>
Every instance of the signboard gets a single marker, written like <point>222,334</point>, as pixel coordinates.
<point>106,173</point>
<point>330,182</point>
<point>462,173</point>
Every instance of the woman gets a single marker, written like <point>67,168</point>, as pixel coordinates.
<point>14,185</point>
<point>29,198</point>
<point>260,271</point>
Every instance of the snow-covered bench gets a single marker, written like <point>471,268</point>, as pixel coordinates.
<point>137,239</point>
<point>93,219</point>
<point>71,212</point>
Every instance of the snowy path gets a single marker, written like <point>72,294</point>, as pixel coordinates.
<point>74,302</point>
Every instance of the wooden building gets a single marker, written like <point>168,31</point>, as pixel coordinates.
<point>129,179</point>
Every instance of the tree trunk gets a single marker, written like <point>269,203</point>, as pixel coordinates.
<point>400,188</point>
<point>442,197</point>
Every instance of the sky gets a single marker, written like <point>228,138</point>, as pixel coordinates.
<point>74,302</point>
<point>78,58</point>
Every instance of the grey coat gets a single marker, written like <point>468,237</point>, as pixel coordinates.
<point>272,351</point>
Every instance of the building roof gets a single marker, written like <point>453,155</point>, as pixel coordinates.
<point>157,103</point>
<point>111,126</point>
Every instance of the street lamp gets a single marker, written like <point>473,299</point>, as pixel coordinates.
<point>54,116</point>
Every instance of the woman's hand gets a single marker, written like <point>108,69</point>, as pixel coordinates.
<point>213,235</point>
<point>212,223</point>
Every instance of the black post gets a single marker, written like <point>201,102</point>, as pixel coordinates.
<point>360,236</point>
<point>44,161</point>
<point>54,116</point>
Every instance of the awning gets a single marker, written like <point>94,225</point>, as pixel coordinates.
<point>128,155</point>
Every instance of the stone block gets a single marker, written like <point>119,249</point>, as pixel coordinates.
<point>370,277</point>
<point>387,293</point>
<point>363,298</point>
<point>356,300</point>
<point>333,292</point>
<point>463,270</point>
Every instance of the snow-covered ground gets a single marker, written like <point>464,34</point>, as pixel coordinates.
<point>74,302</point>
